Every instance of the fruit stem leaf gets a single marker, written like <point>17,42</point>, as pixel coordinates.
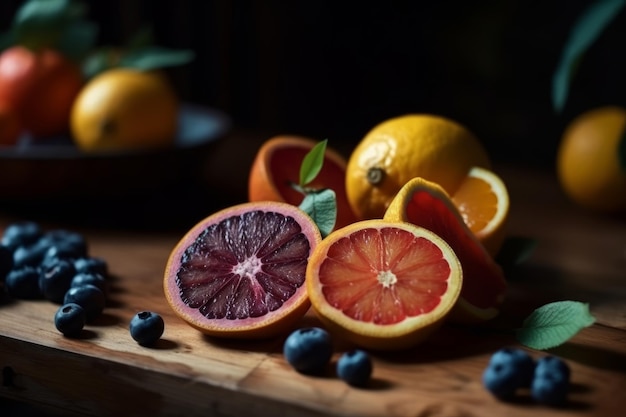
<point>312,163</point>
<point>554,324</point>
<point>321,206</point>
<point>583,34</point>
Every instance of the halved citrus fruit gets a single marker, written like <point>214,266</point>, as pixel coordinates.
<point>426,204</point>
<point>277,166</point>
<point>240,273</point>
<point>483,201</point>
<point>383,285</point>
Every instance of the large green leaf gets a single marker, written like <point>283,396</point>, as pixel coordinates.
<point>553,324</point>
<point>585,31</point>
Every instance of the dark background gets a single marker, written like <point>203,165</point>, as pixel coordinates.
<point>333,69</point>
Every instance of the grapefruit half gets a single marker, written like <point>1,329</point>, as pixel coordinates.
<point>383,285</point>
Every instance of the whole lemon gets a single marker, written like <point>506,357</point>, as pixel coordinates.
<point>415,145</point>
<point>588,164</point>
<point>125,108</point>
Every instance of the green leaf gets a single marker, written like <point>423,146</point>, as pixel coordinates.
<point>621,151</point>
<point>78,39</point>
<point>155,57</point>
<point>584,32</point>
<point>515,250</point>
<point>322,207</point>
<point>553,324</point>
<point>312,163</point>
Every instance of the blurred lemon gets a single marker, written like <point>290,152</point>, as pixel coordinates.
<point>125,108</point>
<point>588,164</point>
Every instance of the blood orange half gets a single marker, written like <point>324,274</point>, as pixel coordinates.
<point>383,285</point>
<point>276,167</point>
<point>240,273</point>
<point>426,204</point>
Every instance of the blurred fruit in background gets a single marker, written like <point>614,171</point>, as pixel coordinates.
<point>10,125</point>
<point>591,163</point>
<point>40,86</point>
<point>49,54</point>
<point>125,108</point>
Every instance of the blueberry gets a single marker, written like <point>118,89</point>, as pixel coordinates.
<point>84,278</point>
<point>508,370</point>
<point>551,381</point>
<point>146,328</point>
<point>66,239</point>
<point>93,265</point>
<point>70,319</point>
<point>21,234</point>
<point>55,279</point>
<point>308,350</point>
<point>23,283</point>
<point>31,255</point>
<point>355,367</point>
<point>89,297</point>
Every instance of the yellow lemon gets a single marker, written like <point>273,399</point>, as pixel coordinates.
<point>399,149</point>
<point>125,108</point>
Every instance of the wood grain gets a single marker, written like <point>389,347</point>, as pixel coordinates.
<point>579,256</point>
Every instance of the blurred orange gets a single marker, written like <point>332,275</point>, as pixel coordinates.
<point>10,125</point>
<point>41,86</point>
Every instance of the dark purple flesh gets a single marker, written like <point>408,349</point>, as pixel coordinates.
<point>245,266</point>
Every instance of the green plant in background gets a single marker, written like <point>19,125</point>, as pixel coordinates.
<point>595,18</point>
<point>62,25</point>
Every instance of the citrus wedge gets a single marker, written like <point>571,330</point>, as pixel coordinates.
<point>383,285</point>
<point>276,167</point>
<point>483,201</point>
<point>426,204</point>
<point>240,273</point>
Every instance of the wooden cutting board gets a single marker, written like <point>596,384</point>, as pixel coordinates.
<point>106,373</point>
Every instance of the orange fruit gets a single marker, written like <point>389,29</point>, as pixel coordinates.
<point>10,125</point>
<point>588,163</point>
<point>240,272</point>
<point>125,108</point>
<point>426,204</point>
<point>41,86</point>
<point>399,149</point>
<point>483,202</point>
<point>276,167</point>
<point>383,285</point>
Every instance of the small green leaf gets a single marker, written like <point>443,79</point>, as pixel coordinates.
<point>584,32</point>
<point>322,207</point>
<point>312,163</point>
<point>154,57</point>
<point>553,324</point>
<point>621,151</point>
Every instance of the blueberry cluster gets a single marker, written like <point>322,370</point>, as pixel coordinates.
<point>511,369</point>
<point>54,265</point>
<point>308,350</point>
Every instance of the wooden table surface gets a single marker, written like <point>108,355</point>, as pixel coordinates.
<point>579,256</point>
